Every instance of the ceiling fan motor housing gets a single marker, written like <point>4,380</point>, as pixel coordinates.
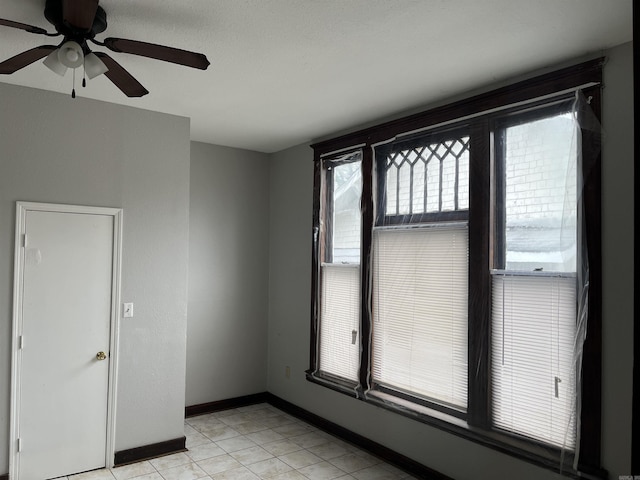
<point>53,13</point>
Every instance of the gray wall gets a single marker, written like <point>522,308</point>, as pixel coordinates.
<point>617,260</point>
<point>228,273</point>
<point>54,149</point>
<point>289,300</point>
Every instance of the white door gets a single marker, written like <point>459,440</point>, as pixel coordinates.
<point>61,418</point>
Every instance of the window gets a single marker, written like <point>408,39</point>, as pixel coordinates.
<point>534,285</point>
<point>420,271</point>
<point>340,291</point>
<point>456,268</point>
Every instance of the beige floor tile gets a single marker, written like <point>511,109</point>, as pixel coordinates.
<point>170,461</point>
<point>269,468</point>
<point>203,421</point>
<point>376,472</point>
<point>265,436</point>
<point>251,455</point>
<point>293,429</point>
<point>322,471</point>
<point>330,450</point>
<point>240,473</point>
<point>190,471</point>
<point>202,452</point>
<point>263,413</point>
<point>236,443</point>
<point>250,427</point>
<point>281,447</point>
<point>236,419</point>
<point>277,421</point>
<point>131,471</point>
<point>292,475</point>
<point>219,432</point>
<point>195,439</point>
<point>300,459</point>
<point>150,476</point>
<point>309,440</point>
<point>219,464</point>
<point>102,474</point>
<point>351,462</point>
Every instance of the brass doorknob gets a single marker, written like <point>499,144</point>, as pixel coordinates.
<point>101,356</point>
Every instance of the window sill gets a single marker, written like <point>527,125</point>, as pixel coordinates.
<point>528,451</point>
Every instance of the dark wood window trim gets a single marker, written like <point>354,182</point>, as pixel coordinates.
<point>479,279</point>
<point>535,91</point>
<point>591,393</point>
<point>635,429</point>
<point>368,217</point>
<point>524,91</point>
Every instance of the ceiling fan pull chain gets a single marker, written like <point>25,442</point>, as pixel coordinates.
<point>73,90</point>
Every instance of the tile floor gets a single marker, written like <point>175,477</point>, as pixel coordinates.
<point>255,442</point>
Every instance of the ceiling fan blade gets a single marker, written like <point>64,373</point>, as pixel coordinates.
<point>121,78</point>
<point>22,26</point>
<point>159,52</point>
<point>79,14</point>
<point>25,58</point>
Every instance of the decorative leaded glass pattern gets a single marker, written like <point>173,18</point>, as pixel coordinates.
<point>429,178</point>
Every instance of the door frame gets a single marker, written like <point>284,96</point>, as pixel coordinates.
<point>18,295</point>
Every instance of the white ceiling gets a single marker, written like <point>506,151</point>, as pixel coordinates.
<point>284,72</point>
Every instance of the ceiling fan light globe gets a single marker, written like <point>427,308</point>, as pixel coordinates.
<point>53,64</point>
<point>93,66</point>
<point>70,54</point>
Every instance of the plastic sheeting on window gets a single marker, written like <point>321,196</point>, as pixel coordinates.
<point>338,245</point>
<point>418,271</point>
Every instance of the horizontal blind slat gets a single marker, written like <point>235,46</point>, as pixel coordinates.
<point>533,328</point>
<point>420,311</point>
<point>339,317</point>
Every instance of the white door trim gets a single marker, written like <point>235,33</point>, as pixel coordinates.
<point>21,212</point>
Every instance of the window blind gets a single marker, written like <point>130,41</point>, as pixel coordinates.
<point>532,364</point>
<point>340,321</point>
<point>420,311</point>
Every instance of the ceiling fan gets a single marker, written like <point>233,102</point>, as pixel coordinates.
<point>78,22</point>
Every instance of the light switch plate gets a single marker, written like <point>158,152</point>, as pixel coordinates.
<point>127,310</point>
